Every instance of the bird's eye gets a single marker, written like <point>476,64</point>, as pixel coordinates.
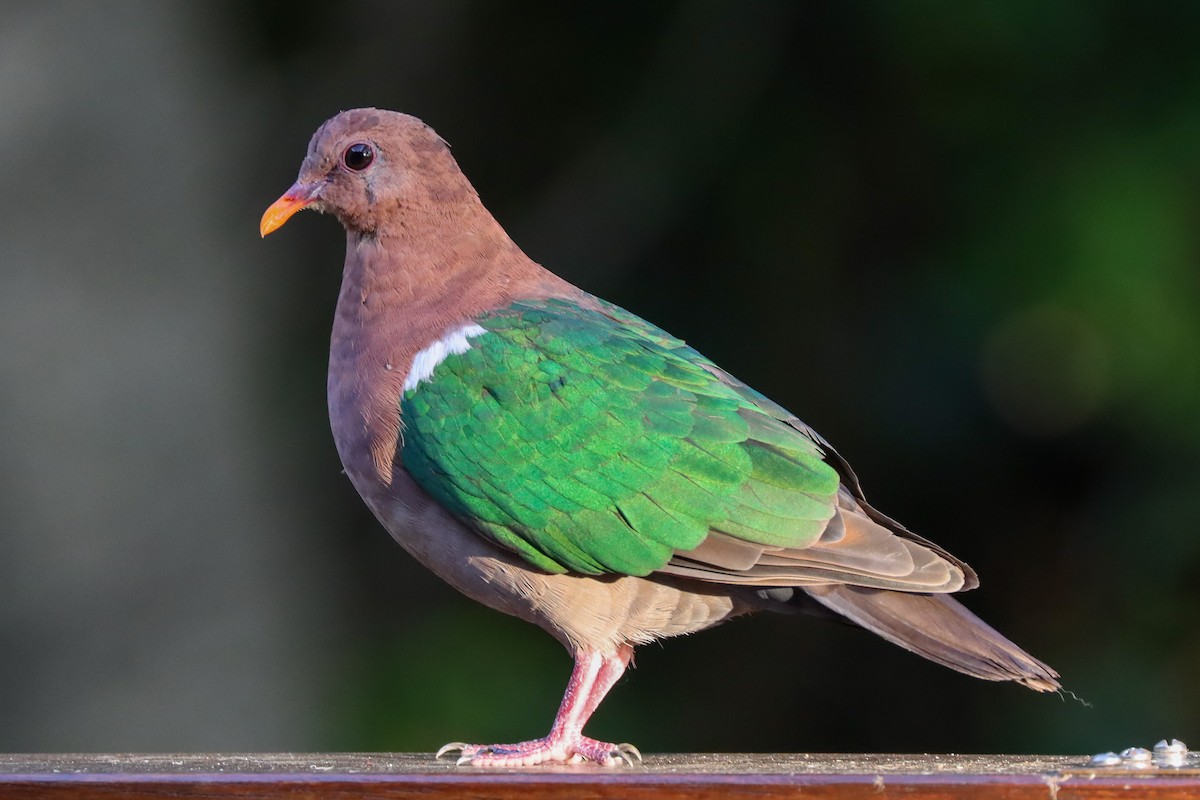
<point>358,156</point>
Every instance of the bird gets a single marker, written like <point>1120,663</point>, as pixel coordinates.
<point>562,460</point>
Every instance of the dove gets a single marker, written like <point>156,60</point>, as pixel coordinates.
<point>558,458</point>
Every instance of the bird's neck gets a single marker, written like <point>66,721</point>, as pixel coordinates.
<point>401,291</point>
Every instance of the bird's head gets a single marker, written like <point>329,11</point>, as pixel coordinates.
<point>368,167</point>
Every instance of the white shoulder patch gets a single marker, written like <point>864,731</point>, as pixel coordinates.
<point>453,343</point>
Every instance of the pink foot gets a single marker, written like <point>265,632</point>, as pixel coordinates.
<point>594,674</point>
<point>547,750</point>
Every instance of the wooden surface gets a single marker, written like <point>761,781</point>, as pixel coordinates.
<point>761,776</point>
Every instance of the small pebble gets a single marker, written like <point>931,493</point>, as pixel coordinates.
<point>1136,754</point>
<point>1104,760</point>
<point>1174,754</point>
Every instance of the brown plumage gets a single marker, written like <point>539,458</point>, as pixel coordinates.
<point>423,259</point>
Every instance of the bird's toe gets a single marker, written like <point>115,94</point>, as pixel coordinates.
<point>606,753</point>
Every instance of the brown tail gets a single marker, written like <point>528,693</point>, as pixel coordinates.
<point>939,628</point>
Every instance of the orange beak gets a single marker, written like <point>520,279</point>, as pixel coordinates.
<point>294,199</point>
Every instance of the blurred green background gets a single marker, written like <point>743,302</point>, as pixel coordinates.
<point>961,240</point>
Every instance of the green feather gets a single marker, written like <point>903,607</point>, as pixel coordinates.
<point>584,439</point>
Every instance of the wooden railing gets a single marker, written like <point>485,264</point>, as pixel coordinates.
<point>661,777</point>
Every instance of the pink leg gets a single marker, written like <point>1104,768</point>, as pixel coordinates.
<point>611,670</point>
<point>594,674</point>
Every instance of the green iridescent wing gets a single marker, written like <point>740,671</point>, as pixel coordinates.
<point>588,440</point>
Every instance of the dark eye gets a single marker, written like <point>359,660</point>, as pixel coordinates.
<point>358,156</point>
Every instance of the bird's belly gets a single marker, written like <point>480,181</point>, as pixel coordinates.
<point>582,612</point>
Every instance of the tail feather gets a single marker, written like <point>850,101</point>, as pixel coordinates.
<point>939,628</point>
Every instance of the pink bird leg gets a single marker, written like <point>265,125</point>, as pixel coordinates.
<point>594,674</point>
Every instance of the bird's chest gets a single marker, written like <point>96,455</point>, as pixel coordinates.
<point>364,416</point>
<point>368,378</point>
<point>368,361</point>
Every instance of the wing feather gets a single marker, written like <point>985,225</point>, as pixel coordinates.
<point>587,440</point>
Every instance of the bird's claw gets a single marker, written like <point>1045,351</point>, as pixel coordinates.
<point>466,752</point>
<point>450,747</point>
<point>627,753</point>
